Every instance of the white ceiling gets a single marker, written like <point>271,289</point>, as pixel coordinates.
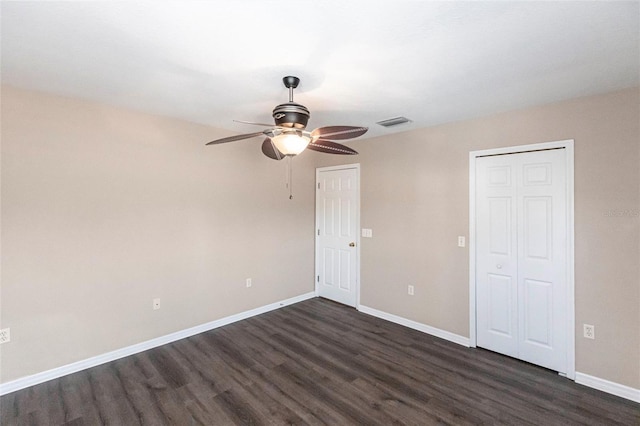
<point>359,61</point>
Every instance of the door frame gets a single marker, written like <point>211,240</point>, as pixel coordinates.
<point>355,166</point>
<point>570,269</point>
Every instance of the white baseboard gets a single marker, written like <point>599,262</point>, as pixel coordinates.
<point>581,378</point>
<point>613,388</point>
<point>446,335</point>
<point>54,373</point>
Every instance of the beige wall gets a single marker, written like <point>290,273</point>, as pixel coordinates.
<point>415,189</point>
<point>104,209</point>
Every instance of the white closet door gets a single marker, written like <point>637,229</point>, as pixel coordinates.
<point>521,256</point>
<point>496,254</point>
<point>542,248</point>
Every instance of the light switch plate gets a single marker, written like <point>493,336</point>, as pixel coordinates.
<point>461,241</point>
<point>367,233</point>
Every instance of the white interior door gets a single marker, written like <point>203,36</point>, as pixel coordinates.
<point>521,256</point>
<point>337,204</point>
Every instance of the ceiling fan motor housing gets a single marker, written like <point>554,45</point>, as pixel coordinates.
<point>291,115</point>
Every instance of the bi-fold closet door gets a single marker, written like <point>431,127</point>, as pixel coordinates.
<point>521,256</point>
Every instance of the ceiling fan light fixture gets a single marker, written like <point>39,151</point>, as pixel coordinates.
<point>289,138</point>
<point>291,143</point>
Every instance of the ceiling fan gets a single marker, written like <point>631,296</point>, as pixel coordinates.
<point>289,137</point>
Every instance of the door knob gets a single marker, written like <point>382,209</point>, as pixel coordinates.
<point>499,266</point>
<point>352,244</point>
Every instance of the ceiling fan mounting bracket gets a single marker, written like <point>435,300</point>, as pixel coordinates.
<point>290,82</point>
<point>291,114</point>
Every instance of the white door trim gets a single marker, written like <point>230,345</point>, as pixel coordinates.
<point>355,166</point>
<point>570,296</point>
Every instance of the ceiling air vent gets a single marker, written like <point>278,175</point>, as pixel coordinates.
<point>393,121</point>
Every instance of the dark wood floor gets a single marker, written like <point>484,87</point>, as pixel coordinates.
<point>315,362</point>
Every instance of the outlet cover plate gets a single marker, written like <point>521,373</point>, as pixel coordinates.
<point>589,331</point>
<point>5,335</point>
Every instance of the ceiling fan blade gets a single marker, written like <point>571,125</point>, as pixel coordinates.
<point>269,149</point>
<point>339,132</point>
<point>328,147</point>
<point>254,124</point>
<point>235,138</point>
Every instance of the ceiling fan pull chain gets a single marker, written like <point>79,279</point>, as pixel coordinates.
<point>290,169</point>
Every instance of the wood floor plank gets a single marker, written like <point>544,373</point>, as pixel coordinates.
<point>139,392</point>
<point>309,406</point>
<point>80,396</point>
<point>71,397</point>
<point>207,366</point>
<point>256,349</point>
<point>307,353</point>
<point>453,388</point>
<point>197,398</point>
<point>109,397</point>
<point>405,410</point>
<point>288,396</point>
<point>333,395</point>
<point>314,363</point>
<point>266,408</point>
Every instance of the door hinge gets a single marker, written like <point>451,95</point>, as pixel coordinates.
<point>318,185</point>
<point>318,232</point>
<point>318,279</point>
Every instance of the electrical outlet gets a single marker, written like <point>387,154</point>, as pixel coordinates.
<point>249,283</point>
<point>589,331</point>
<point>461,242</point>
<point>156,304</point>
<point>410,290</point>
<point>5,335</point>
